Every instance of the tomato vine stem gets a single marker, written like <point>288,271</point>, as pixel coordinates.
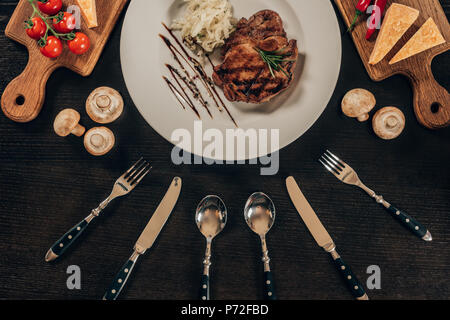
<point>59,17</point>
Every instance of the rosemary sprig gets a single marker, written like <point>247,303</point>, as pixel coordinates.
<point>275,60</point>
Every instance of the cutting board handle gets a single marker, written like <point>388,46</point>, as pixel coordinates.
<point>24,96</point>
<point>431,100</point>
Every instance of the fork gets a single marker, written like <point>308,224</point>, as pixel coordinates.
<point>346,174</point>
<point>124,185</point>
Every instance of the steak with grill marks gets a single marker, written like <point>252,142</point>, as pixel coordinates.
<point>243,75</point>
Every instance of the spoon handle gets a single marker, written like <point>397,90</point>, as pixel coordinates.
<point>204,290</point>
<point>269,287</point>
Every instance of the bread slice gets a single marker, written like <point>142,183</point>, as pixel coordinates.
<point>89,11</point>
<point>398,19</point>
<point>427,37</point>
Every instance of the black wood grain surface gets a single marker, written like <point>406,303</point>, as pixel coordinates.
<point>48,183</point>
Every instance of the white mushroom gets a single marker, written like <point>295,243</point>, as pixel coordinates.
<point>67,122</point>
<point>99,141</point>
<point>388,123</point>
<point>104,105</point>
<point>357,103</point>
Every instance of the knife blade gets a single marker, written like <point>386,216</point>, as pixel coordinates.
<point>159,218</point>
<point>316,228</point>
<point>147,238</point>
<point>321,236</point>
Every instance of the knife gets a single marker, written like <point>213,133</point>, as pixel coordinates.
<point>147,238</point>
<point>322,237</point>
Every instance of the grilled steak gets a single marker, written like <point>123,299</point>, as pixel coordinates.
<point>244,75</point>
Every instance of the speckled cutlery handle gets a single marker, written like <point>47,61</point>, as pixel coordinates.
<point>349,277</point>
<point>269,286</point>
<point>64,243</point>
<point>409,222</point>
<point>204,289</point>
<point>121,278</point>
<point>68,239</point>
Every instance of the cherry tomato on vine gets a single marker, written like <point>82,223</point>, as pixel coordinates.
<point>51,7</point>
<point>80,44</point>
<point>53,48</point>
<point>66,25</point>
<point>38,29</point>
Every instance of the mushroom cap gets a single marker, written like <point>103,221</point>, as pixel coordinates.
<point>99,141</point>
<point>388,123</point>
<point>66,121</point>
<point>357,103</point>
<point>104,105</point>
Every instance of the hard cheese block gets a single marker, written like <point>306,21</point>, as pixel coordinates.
<point>89,11</point>
<point>427,37</point>
<point>398,19</point>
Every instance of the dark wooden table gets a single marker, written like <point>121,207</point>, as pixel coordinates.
<point>48,183</point>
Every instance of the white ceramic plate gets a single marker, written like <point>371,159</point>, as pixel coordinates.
<point>312,23</point>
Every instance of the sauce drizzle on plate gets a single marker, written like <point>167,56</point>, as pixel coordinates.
<point>189,80</point>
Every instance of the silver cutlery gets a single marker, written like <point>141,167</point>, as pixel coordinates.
<point>147,238</point>
<point>322,237</point>
<point>124,185</point>
<point>211,218</point>
<point>347,175</point>
<point>259,213</point>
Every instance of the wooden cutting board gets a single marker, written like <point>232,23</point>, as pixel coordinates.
<point>24,97</point>
<point>431,101</point>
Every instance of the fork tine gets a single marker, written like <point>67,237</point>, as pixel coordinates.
<point>336,158</point>
<point>137,170</point>
<point>126,174</point>
<point>137,178</point>
<point>135,182</point>
<point>328,167</point>
<point>332,166</point>
<point>337,165</point>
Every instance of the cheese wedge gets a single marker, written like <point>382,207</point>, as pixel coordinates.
<point>89,11</point>
<point>427,37</point>
<point>398,19</point>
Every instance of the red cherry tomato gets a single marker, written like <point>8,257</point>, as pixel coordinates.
<point>53,48</point>
<point>38,29</point>
<point>80,44</point>
<point>51,7</point>
<point>66,25</point>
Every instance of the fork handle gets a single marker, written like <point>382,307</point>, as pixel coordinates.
<point>68,239</point>
<point>412,224</point>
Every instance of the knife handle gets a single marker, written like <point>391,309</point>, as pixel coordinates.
<point>352,281</point>
<point>412,224</point>
<point>204,290</point>
<point>68,239</point>
<point>121,278</point>
<point>269,287</point>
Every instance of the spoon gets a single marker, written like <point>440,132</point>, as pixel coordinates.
<point>259,213</point>
<point>211,218</point>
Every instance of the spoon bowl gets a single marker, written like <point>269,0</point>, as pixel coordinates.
<point>211,216</point>
<point>259,213</point>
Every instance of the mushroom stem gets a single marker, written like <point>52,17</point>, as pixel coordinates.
<point>103,102</point>
<point>391,122</point>
<point>78,130</point>
<point>363,117</point>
